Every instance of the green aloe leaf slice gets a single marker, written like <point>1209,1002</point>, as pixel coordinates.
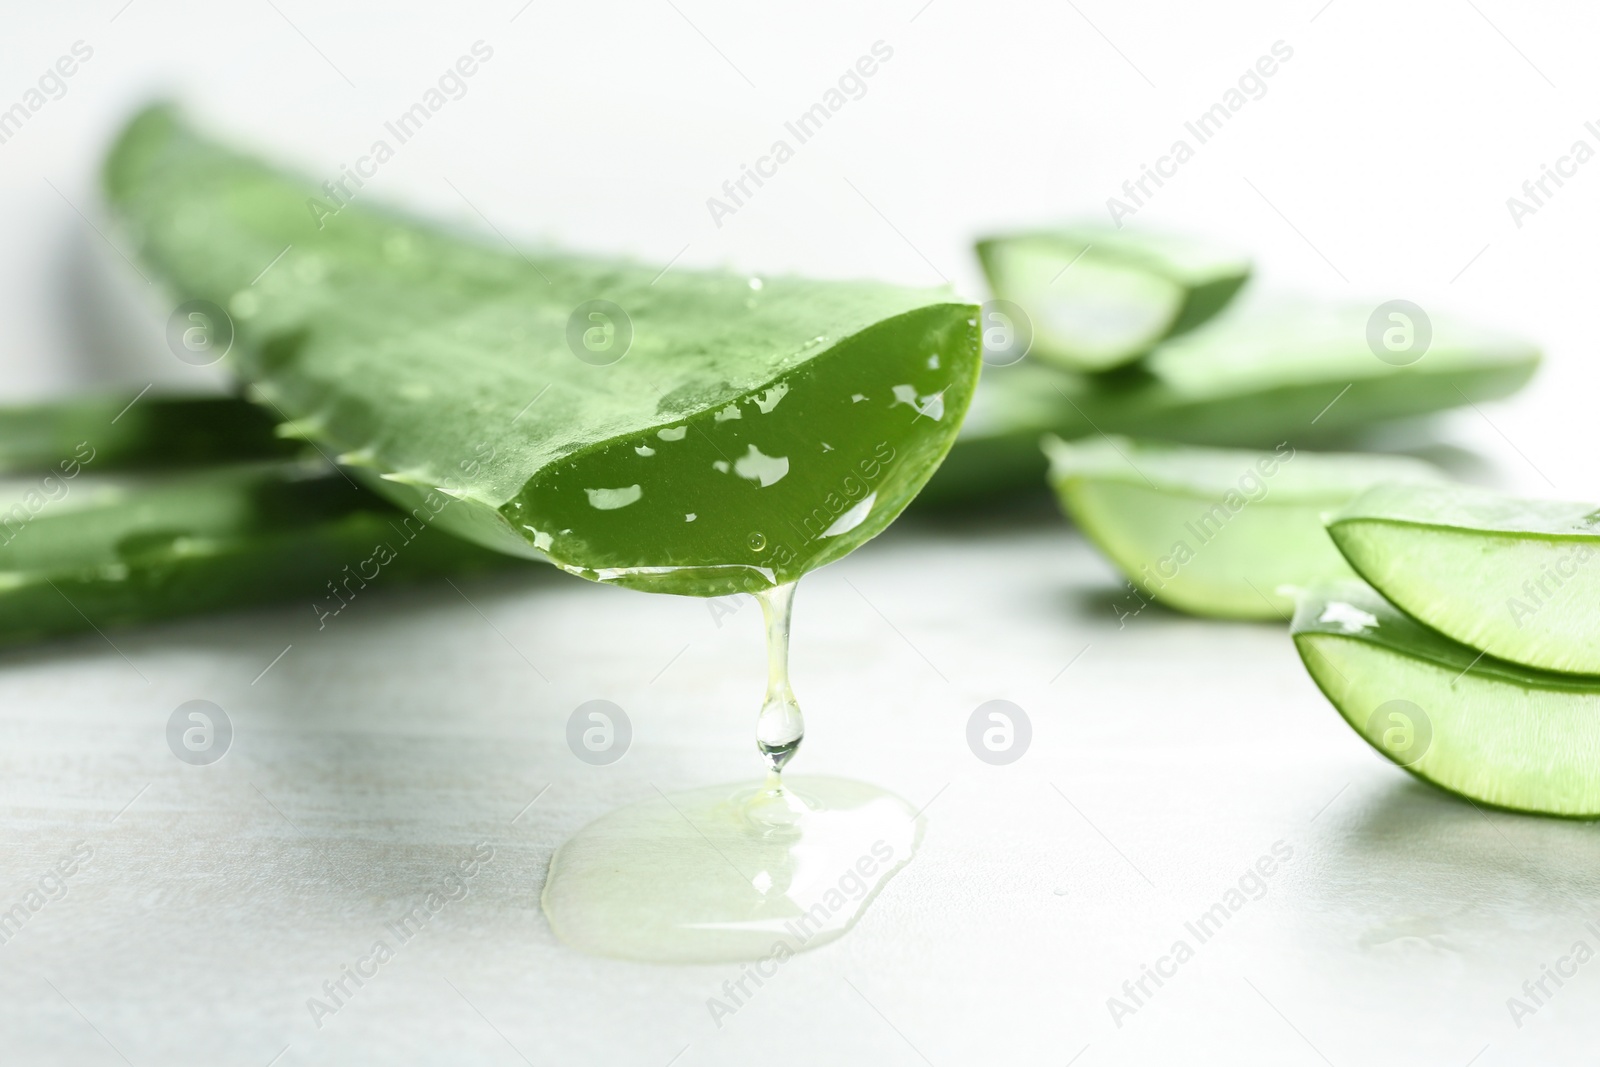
<point>676,430</point>
<point>79,550</point>
<point>1497,732</point>
<point>1300,374</point>
<point>1519,579</point>
<point>1099,297</point>
<point>134,431</point>
<point>1218,532</point>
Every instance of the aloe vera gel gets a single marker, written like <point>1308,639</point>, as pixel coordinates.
<point>752,872</point>
<point>707,433</point>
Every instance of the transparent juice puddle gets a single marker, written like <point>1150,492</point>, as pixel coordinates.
<point>701,876</point>
<point>733,872</point>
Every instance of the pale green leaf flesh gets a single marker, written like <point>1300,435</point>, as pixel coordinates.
<point>1100,297</point>
<point>1217,532</point>
<point>754,428</point>
<point>1299,374</point>
<point>1501,734</point>
<point>1519,579</point>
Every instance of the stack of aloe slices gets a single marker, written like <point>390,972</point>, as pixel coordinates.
<point>674,430</point>
<point>1266,372</point>
<point>1472,657</point>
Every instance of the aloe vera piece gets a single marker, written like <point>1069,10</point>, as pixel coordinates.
<point>1503,734</point>
<point>131,431</point>
<point>1218,532</point>
<point>1100,297</point>
<point>740,432</point>
<point>1305,376</point>
<point>117,551</point>
<point>1519,579</point>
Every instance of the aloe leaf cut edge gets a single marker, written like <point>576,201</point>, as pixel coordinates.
<point>1225,533</point>
<point>1498,733</point>
<point>1535,568</point>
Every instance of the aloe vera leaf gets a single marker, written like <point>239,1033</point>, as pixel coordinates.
<point>1219,532</point>
<point>1503,734</point>
<point>1306,377</point>
<point>755,429</point>
<point>133,431</point>
<point>1099,297</point>
<point>117,551</point>
<point>1519,579</point>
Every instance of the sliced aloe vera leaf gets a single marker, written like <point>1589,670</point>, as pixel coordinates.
<point>1519,579</point>
<point>1220,532</point>
<point>1305,376</point>
<point>131,431</point>
<point>1100,297</point>
<point>104,552</point>
<point>1500,733</point>
<point>676,430</point>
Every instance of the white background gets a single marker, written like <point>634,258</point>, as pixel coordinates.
<point>373,755</point>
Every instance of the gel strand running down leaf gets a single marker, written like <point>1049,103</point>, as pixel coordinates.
<point>1499,733</point>
<point>1519,579</point>
<point>1281,373</point>
<point>1100,297</point>
<point>733,873</point>
<point>664,428</point>
<point>1210,531</point>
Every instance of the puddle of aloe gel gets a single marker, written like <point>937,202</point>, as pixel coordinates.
<point>733,872</point>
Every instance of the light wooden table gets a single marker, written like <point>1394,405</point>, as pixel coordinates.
<point>373,756</point>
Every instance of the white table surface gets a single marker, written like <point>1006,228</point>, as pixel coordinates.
<point>1172,754</point>
<point>376,754</point>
